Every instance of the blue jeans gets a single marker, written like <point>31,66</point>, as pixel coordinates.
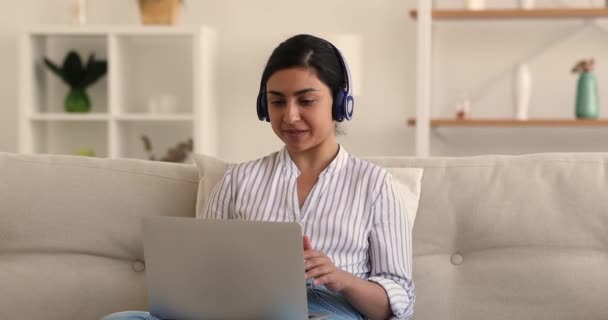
<point>320,301</point>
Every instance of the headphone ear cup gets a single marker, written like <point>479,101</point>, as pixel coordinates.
<point>339,105</point>
<point>262,106</point>
<point>349,108</point>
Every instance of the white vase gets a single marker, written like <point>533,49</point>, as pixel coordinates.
<point>526,4</point>
<point>476,4</point>
<point>79,12</point>
<point>522,91</point>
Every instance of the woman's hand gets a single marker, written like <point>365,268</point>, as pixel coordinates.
<point>320,267</point>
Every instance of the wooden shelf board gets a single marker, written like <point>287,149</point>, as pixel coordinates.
<point>63,116</point>
<point>540,13</point>
<point>513,123</point>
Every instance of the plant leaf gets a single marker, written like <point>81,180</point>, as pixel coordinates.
<point>55,69</point>
<point>88,69</point>
<point>95,70</point>
<point>72,68</point>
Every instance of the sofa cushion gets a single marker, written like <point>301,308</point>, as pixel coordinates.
<point>70,231</point>
<point>210,172</point>
<point>408,183</point>
<point>511,237</point>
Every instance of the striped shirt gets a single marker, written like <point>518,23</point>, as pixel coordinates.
<point>353,213</point>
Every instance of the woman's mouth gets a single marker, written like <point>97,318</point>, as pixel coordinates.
<point>295,133</point>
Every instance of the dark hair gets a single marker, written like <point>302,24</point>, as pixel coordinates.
<point>308,51</point>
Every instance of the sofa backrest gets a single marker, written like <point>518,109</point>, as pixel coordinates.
<point>495,237</point>
<point>70,232</point>
<point>511,237</point>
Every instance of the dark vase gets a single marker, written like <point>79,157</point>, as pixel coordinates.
<point>77,101</point>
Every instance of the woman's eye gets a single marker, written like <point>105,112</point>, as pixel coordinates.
<point>277,102</point>
<point>307,102</point>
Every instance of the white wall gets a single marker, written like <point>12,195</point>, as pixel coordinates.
<point>467,54</point>
<point>15,16</point>
<point>249,30</point>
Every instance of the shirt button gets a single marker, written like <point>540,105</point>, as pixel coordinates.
<point>138,266</point>
<point>456,259</point>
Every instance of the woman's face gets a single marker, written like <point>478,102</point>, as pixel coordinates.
<point>300,109</point>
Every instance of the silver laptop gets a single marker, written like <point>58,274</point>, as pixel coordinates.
<point>215,269</point>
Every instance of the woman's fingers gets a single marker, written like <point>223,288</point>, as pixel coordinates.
<point>315,262</point>
<point>320,271</point>
<point>309,254</point>
<point>307,243</point>
<point>325,279</point>
<point>318,265</point>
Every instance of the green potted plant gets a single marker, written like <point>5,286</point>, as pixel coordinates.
<point>78,77</point>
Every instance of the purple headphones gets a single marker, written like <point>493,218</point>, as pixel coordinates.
<point>343,105</point>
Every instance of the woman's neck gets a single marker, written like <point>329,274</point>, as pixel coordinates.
<point>315,160</point>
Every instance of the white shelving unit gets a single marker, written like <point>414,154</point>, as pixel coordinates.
<point>143,63</point>
<point>426,16</point>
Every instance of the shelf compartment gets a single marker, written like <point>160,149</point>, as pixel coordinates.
<point>539,13</point>
<point>448,122</point>
<point>163,136</point>
<point>152,68</point>
<point>46,92</point>
<point>57,137</point>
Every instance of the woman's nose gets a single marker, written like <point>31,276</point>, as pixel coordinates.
<point>292,112</point>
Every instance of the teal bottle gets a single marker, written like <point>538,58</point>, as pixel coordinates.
<point>587,99</point>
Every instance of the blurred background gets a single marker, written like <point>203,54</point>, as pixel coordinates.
<point>173,80</point>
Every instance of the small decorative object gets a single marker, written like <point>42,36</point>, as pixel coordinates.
<point>167,103</point>
<point>164,103</point>
<point>79,12</point>
<point>522,91</point>
<point>463,109</point>
<point>476,5</point>
<point>526,4</point>
<point>177,154</point>
<point>587,99</point>
<point>78,77</point>
<point>85,152</point>
<point>159,11</point>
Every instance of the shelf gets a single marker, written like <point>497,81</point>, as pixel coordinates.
<point>141,70</point>
<point>80,117</point>
<point>446,122</point>
<point>177,117</point>
<point>544,13</point>
<point>103,30</point>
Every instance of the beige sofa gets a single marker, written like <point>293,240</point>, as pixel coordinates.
<point>496,237</point>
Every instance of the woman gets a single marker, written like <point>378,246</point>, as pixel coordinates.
<point>357,244</point>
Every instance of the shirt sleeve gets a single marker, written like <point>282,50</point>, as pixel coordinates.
<point>219,205</point>
<point>391,250</point>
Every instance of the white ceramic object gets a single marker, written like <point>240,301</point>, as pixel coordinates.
<point>153,105</point>
<point>163,103</point>
<point>167,103</point>
<point>526,4</point>
<point>522,91</point>
<point>79,12</point>
<point>476,4</point>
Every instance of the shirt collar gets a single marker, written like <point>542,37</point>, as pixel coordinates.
<point>334,166</point>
